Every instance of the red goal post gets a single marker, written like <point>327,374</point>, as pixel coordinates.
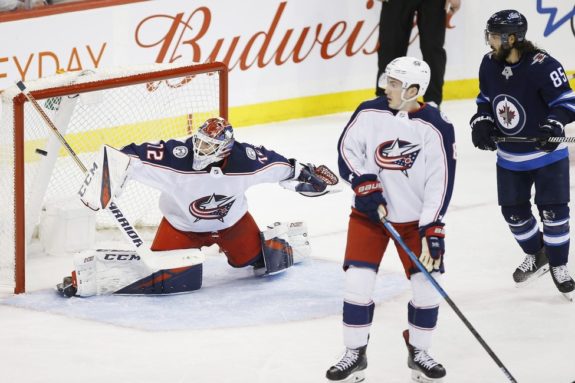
<point>115,107</point>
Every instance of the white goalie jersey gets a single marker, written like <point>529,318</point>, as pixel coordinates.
<point>413,155</point>
<point>208,200</point>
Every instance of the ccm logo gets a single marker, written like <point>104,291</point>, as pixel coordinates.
<point>122,257</point>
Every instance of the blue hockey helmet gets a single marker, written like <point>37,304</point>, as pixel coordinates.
<point>505,23</point>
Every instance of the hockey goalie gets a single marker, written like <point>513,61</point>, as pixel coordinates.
<point>203,181</point>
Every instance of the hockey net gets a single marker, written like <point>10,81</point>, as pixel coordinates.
<point>115,107</point>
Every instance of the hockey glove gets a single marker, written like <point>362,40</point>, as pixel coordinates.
<point>483,131</point>
<point>310,180</point>
<point>432,245</point>
<point>549,128</point>
<point>369,197</point>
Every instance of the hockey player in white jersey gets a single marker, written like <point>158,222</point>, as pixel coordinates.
<point>399,157</point>
<point>203,182</point>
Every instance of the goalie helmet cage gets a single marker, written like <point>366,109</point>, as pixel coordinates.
<point>115,107</point>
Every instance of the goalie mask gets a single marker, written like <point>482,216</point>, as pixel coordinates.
<point>212,142</point>
<point>410,71</point>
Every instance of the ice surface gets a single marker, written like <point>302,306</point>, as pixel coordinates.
<point>532,330</point>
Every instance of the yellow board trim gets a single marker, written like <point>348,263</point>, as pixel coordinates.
<point>310,106</point>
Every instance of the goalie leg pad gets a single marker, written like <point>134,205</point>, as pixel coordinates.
<point>170,281</point>
<point>299,241</point>
<point>104,272</point>
<point>276,250</point>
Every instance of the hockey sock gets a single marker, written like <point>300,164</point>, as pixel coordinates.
<point>524,228</point>
<point>358,306</point>
<point>556,233</point>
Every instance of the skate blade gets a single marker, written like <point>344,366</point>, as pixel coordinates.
<point>568,296</point>
<point>539,273</point>
<point>418,376</point>
<point>356,377</point>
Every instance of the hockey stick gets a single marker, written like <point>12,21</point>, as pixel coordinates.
<point>449,301</point>
<point>535,139</point>
<point>129,231</point>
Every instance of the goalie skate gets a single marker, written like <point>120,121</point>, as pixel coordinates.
<point>532,267</point>
<point>67,288</point>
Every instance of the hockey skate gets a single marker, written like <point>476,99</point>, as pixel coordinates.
<point>350,369</point>
<point>532,267</point>
<point>563,281</point>
<point>423,367</point>
<point>67,288</point>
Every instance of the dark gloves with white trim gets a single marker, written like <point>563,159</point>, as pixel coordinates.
<point>483,130</point>
<point>549,128</point>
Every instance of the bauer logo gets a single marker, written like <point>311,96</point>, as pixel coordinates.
<point>509,114</point>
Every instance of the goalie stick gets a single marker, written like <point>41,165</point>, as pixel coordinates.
<point>568,140</point>
<point>127,229</point>
<point>397,237</point>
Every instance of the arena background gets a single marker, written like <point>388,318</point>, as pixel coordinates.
<point>287,59</point>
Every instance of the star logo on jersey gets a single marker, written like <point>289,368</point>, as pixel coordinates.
<point>211,207</point>
<point>509,114</point>
<point>396,155</point>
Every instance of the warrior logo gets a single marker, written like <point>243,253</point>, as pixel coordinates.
<point>211,207</point>
<point>509,114</point>
<point>396,155</point>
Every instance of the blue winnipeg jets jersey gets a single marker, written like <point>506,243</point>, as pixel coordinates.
<point>413,155</point>
<point>209,200</point>
<point>520,97</point>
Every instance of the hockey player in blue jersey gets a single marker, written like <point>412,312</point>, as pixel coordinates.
<point>524,92</point>
<point>399,157</point>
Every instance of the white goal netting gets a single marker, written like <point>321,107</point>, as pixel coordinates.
<point>119,107</point>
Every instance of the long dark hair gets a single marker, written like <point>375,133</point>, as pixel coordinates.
<point>526,46</point>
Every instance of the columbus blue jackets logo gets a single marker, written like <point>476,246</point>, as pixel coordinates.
<point>211,207</point>
<point>509,114</point>
<point>396,155</point>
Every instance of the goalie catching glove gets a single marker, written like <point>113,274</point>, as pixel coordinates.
<point>432,246</point>
<point>105,179</point>
<point>311,181</point>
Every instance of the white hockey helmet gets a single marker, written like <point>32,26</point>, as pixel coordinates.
<point>410,71</point>
<point>212,142</point>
